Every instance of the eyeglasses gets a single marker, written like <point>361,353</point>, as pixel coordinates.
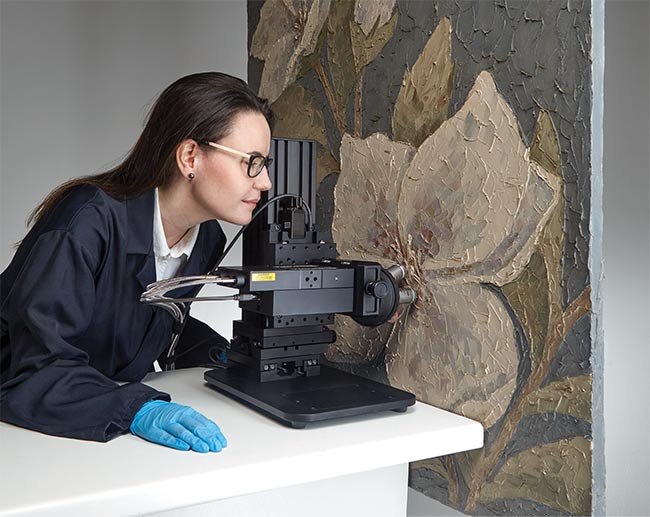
<point>256,162</point>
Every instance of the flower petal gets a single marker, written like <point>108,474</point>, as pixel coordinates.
<point>457,351</point>
<point>288,30</point>
<point>511,256</point>
<point>355,343</point>
<point>274,42</point>
<point>463,188</point>
<point>368,12</point>
<point>365,216</point>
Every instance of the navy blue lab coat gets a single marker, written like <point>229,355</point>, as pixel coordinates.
<point>71,320</point>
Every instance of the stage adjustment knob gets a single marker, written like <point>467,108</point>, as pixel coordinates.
<point>378,289</point>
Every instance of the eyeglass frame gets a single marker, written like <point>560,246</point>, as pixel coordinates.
<point>265,164</point>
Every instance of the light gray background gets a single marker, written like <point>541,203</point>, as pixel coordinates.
<point>76,79</point>
<point>627,257</point>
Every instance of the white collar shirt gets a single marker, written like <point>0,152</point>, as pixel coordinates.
<point>170,261</point>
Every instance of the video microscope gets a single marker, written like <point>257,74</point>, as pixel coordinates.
<point>291,285</point>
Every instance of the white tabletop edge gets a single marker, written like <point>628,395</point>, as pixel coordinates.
<point>427,432</point>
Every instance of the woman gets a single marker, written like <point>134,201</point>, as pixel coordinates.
<point>76,340</point>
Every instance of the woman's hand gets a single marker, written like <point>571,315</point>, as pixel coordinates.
<point>176,426</point>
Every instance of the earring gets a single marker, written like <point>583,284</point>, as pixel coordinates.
<point>191,176</point>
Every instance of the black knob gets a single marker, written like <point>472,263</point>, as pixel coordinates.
<point>378,289</point>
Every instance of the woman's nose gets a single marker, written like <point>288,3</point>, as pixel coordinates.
<point>262,181</point>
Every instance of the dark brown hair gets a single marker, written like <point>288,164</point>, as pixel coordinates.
<point>199,107</point>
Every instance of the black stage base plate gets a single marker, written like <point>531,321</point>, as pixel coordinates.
<point>299,401</point>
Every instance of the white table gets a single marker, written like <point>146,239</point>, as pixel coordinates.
<point>349,467</point>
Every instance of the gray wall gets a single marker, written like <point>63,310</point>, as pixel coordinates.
<point>76,79</point>
<point>627,257</point>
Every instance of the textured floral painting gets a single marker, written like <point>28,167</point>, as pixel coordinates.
<point>454,140</point>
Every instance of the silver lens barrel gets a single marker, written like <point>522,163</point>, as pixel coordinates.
<point>406,296</point>
<point>397,271</point>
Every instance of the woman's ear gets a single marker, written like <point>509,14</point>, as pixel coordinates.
<point>187,158</point>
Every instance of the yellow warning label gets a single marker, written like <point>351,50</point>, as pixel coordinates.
<point>263,277</point>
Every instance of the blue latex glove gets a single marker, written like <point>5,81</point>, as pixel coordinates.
<point>176,426</point>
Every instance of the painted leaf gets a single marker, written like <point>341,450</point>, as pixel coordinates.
<point>457,351</point>
<point>546,151</point>
<point>366,45</point>
<point>372,14</point>
<point>288,31</point>
<point>311,60</point>
<point>340,58</point>
<point>528,297</point>
<point>423,99</point>
<point>434,465</point>
<point>422,474</point>
<point>556,474</point>
<point>536,294</point>
<point>297,115</point>
<point>571,396</point>
<point>552,247</point>
<point>468,463</point>
<point>471,200</point>
<point>365,216</point>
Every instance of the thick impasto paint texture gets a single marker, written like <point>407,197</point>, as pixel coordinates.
<point>454,140</point>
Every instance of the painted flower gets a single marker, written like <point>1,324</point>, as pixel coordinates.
<point>288,31</point>
<point>368,13</point>
<point>463,212</point>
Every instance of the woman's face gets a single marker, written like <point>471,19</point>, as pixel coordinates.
<point>222,188</point>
